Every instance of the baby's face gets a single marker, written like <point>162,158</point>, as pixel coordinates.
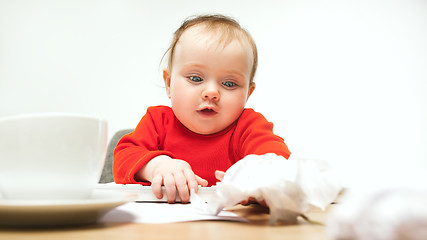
<point>209,84</point>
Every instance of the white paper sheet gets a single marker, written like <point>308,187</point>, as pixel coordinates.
<point>162,213</point>
<point>289,187</point>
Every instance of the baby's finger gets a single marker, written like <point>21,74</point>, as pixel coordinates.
<point>181,186</point>
<point>202,182</point>
<point>219,175</point>
<point>156,186</point>
<point>170,187</point>
<point>191,180</point>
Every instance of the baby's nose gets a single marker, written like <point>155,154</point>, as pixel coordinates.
<point>211,92</point>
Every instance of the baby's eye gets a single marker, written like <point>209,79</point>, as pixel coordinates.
<point>195,79</point>
<point>229,84</point>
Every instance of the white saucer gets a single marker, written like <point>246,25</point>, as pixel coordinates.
<point>36,213</point>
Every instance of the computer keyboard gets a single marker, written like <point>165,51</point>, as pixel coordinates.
<point>145,194</point>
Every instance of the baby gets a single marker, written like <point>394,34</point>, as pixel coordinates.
<point>209,77</point>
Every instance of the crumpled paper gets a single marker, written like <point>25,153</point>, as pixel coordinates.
<point>289,187</point>
<point>389,213</point>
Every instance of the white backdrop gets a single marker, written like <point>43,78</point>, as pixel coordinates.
<point>344,81</point>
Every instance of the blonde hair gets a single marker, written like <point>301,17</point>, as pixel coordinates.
<point>227,29</point>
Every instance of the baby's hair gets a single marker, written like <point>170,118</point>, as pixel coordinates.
<point>227,28</point>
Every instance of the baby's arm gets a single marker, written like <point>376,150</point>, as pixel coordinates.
<point>174,174</point>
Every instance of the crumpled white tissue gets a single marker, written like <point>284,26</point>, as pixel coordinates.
<point>382,214</point>
<point>289,187</point>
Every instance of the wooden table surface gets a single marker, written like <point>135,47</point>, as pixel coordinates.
<point>257,228</point>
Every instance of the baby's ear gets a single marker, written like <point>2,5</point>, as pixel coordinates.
<point>167,79</point>
<point>251,89</point>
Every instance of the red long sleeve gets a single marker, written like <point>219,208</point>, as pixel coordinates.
<point>160,133</point>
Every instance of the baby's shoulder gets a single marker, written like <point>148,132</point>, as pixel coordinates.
<point>159,110</point>
<point>250,115</point>
<point>160,114</point>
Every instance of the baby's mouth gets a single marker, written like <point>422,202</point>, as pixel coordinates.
<point>207,112</point>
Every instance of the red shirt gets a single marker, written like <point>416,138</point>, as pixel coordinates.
<point>160,133</point>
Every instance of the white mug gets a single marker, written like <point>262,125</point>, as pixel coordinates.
<point>54,156</point>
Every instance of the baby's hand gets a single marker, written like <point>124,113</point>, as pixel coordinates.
<point>175,175</point>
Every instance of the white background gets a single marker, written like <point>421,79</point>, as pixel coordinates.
<point>344,81</point>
